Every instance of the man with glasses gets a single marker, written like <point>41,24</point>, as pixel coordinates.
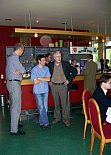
<point>100,95</point>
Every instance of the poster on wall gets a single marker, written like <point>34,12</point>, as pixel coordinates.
<point>82,50</point>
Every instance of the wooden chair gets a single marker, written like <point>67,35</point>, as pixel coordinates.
<point>85,99</point>
<point>102,132</point>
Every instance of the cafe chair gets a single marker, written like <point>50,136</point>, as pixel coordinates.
<point>85,99</point>
<point>102,132</point>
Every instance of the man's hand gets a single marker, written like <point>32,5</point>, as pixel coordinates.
<point>37,80</point>
<point>50,83</point>
<point>17,72</point>
<point>40,79</point>
<point>66,82</point>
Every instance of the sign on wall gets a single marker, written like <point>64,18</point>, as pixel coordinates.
<point>82,50</point>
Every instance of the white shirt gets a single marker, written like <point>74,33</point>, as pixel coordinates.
<point>104,90</point>
<point>108,113</point>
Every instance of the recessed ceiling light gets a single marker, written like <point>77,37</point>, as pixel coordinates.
<point>8,19</point>
<point>96,38</point>
<point>35,35</point>
<point>37,21</point>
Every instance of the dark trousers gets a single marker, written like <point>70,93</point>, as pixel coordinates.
<point>60,96</point>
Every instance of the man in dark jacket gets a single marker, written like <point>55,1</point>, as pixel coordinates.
<point>61,76</point>
<point>100,95</point>
<point>90,74</point>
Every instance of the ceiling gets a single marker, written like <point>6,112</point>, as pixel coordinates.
<point>92,15</point>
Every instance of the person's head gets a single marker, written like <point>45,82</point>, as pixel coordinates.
<point>48,57</point>
<point>57,57</point>
<point>19,49</point>
<point>90,57</point>
<point>105,81</point>
<point>102,60</point>
<point>41,60</point>
<point>107,61</point>
<point>74,62</point>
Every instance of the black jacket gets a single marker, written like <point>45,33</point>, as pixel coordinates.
<point>103,101</point>
<point>68,70</point>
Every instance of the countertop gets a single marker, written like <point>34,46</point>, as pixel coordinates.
<point>77,78</point>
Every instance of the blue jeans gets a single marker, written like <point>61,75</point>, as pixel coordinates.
<point>42,104</point>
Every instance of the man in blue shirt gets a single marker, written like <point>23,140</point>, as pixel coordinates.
<point>41,76</point>
<point>14,71</point>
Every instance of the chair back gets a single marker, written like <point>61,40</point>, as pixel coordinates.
<point>85,98</point>
<point>95,117</point>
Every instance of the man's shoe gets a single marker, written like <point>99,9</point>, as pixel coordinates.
<point>42,126</point>
<point>67,123</point>
<point>21,132</point>
<point>55,121</point>
<point>47,126</point>
<point>14,133</point>
<point>20,125</point>
<point>17,133</point>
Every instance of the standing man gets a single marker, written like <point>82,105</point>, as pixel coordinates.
<point>90,74</point>
<point>41,76</point>
<point>48,58</point>
<point>62,74</point>
<point>74,63</point>
<point>14,71</point>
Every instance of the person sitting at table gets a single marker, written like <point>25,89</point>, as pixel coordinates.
<point>100,95</point>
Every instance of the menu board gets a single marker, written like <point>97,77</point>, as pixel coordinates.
<point>65,54</point>
<point>28,58</point>
<point>42,50</point>
<point>53,49</point>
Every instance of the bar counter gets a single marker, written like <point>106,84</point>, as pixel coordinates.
<point>77,78</point>
<point>75,95</point>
